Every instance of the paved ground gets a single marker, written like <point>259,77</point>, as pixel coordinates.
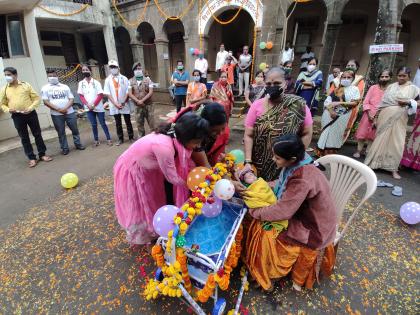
<point>62,251</point>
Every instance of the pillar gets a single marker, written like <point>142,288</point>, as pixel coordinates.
<point>80,47</point>
<point>328,49</point>
<point>110,40</point>
<point>386,33</point>
<point>162,52</point>
<point>192,41</point>
<point>138,53</point>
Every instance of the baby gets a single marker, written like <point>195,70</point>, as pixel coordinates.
<point>247,176</point>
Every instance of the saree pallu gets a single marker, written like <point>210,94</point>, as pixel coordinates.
<point>270,257</point>
<point>387,148</point>
<point>223,95</point>
<point>278,120</point>
<point>411,157</point>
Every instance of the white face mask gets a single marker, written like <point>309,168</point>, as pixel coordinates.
<point>53,80</point>
<point>346,82</point>
<point>311,68</point>
<point>114,71</point>
<point>9,78</point>
<point>196,78</point>
<point>138,73</point>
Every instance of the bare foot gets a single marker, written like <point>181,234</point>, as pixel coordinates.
<point>396,175</point>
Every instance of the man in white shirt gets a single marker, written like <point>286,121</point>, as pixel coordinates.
<point>288,54</point>
<point>416,80</point>
<point>59,99</point>
<point>202,65</point>
<point>244,65</point>
<point>221,58</point>
<point>116,89</point>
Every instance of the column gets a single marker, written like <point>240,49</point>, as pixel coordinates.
<point>191,41</point>
<point>80,47</point>
<point>328,49</point>
<point>386,33</point>
<point>162,52</point>
<point>138,53</point>
<point>110,40</point>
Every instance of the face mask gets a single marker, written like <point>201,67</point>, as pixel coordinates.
<point>287,70</point>
<point>138,73</point>
<point>383,82</point>
<point>180,68</point>
<point>196,78</point>
<point>9,78</point>
<point>201,56</point>
<point>86,74</point>
<point>311,68</point>
<point>259,80</point>
<point>351,68</point>
<point>114,71</point>
<point>274,92</point>
<point>53,80</point>
<point>223,81</point>
<point>346,82</point>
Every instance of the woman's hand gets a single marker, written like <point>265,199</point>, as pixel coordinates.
<point>335,104</point>
<point>239,188</point>
<point>403,103</point>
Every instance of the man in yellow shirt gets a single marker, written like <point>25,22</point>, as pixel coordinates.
<point>20,100</point>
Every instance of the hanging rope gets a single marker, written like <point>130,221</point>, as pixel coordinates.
<point>84,7</point>
<point>233,17</point>
<point>173,18</point>
<point>71,72</point>
<point>125,21</point>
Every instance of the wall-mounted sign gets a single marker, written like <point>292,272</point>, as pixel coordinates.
<point>386,48</point>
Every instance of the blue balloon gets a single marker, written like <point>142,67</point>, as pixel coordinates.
<point>192,51</point>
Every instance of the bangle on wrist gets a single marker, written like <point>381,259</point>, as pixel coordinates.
<point>248,162</point>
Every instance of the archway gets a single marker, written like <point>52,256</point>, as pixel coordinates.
<point>409,35</point>
<point>305,27</point>
<point>174,30</point>
<point>146,35</point>
<point>356,33</point>
<point>124,53</point>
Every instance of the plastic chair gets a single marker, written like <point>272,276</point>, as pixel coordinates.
<point>346,176</point>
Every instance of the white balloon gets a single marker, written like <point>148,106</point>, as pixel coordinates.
<point>224,189</point>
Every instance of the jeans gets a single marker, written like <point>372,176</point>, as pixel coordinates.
<point>145,112</point>
<point>243,80</point>
<point>21,122</point>
<point>91,115</point>
<point>179,100</point>
<point>118,124</point>
<point>60,122</point>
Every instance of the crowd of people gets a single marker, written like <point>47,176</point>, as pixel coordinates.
<point>278,132</point>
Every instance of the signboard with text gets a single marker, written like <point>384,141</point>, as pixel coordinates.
<point>386,48</point>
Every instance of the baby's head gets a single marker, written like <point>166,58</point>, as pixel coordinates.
<point>247,176</point>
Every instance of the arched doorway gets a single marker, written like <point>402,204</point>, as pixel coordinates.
<point>305,27</point>
<point>356,33</point>
<point>146,35</point>
<point>124,53</point>
<point>409,36</point>
<point>174,30</point>
<point>234,35</point>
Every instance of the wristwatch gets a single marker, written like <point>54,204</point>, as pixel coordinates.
<point>247,162</point>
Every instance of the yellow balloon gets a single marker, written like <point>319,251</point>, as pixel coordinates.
<point>69,180</point>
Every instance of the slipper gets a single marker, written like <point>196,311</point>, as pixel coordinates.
<point>32,163</point>
<point>397,191</point>
<point>46,158</point>
<point>381,183</point>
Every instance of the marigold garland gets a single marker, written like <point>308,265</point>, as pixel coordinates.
<point>125,21</point>
<point>84,7</point>
<point>173,18</point>
<point>233,17</point>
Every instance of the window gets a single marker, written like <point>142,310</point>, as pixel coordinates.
<point>14,25</point>
<point>4,50</point>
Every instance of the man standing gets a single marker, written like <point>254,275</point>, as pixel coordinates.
<point>59,99</point>
<point>221,58</point>
<point>416,80</point>
<point>180,79</point>
<point>308,55</point>
<point>245,60</point>
<point>287,55</point>
<point>140,91</point>
<point>335,73</point>
<point>20,100</point>
<point>116,89</point>
<point>202,65</point>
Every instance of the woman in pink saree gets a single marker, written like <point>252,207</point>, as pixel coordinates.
<point>152,173</point>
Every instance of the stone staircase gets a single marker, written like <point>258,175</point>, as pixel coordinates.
<point>239,111</point>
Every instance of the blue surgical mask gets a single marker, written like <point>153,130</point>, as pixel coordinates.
<point>196,78</point>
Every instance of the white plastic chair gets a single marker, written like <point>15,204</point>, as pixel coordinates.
<point>345,177</point>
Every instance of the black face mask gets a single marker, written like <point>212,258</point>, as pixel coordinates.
<point>86,74</point>
<point>274,91</point>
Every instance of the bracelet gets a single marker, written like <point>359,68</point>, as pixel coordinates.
<point>248,162</point>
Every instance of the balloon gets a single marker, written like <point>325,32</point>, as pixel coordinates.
<point>196,51</point>
<point>262,45</point>
<point>263,65</point>
<point>410,212</point>
<point>224,189</point>
<point>69,180</point>
<point>192,51</point>
<point>196,177</point>
<point>239,156</point>
<point>163,220</point>
<point>240,166</point>
<point>212,210</point>
<point>269,45</point>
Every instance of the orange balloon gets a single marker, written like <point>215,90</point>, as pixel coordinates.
<point>196,177</point>
<point>269,45</point>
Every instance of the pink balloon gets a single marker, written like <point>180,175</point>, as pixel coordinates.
<point>163,221</point>
<point>212,210</point>
<point>410,212</point>
<point>196,51</point>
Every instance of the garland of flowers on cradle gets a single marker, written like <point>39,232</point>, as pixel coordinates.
<point>177,272</point>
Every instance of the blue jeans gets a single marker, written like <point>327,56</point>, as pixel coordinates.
<point>60,122</point>
<point>91,115</point>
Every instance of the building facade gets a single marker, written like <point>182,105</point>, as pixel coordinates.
<point>337,30</point>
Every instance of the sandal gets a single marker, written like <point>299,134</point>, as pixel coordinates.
<point>32,163</point>
<point>46,158</point>
<point>397,191</point>
<point>381,183</point>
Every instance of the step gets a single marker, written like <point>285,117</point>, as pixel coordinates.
<point>240,104</point>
